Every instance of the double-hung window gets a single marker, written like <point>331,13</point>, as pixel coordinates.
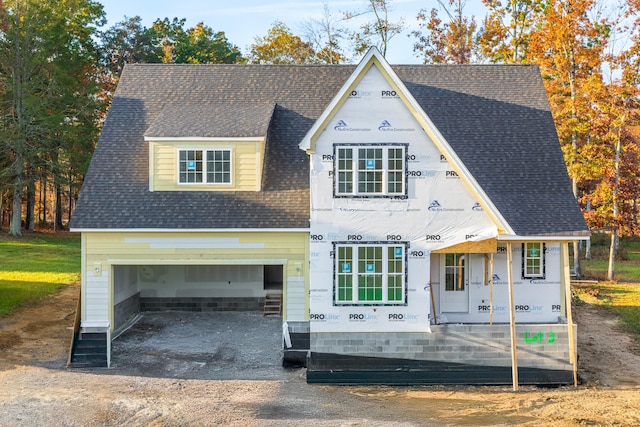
<point>533,266</point>
<point>370,170</point>
<point>204,166</point>
<point>370,273</point>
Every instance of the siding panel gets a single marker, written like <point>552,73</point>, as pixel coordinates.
<point>246,165</point>
<point>156,248</point>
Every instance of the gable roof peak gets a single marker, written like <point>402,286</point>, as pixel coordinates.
<point>373,57</point>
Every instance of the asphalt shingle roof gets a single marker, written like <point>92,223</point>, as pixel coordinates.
<point>212,120</point>
<point>495,117</point>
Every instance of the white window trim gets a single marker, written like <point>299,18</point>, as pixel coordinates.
<point>385,273</point>
<point>542,273</point>
<point>385,176</point>
<point>204,171</point>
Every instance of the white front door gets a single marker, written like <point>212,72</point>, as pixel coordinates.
<point>454,292</point>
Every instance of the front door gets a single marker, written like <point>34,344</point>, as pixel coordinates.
<point>454,294</point>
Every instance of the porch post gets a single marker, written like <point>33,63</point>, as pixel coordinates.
<point>433,299</point>
<point>566,281</point>
<point>491,289</point>
<point>512,320</point>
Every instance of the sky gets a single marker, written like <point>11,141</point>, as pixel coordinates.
<point>244,20</point>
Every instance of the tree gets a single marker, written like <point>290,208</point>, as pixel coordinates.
<point>47,58</point>
<point>568,47</point>
<point>325,37</point>
<point>617,192</point>
<point>450,42</point>
<point>201,45</point>
<point>164,34</point>
<point>280,46</point>
<point>128,42</point>
<point>506,30</point>
<point>378,31</point>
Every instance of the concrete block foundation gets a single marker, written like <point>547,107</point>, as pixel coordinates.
<point>459,354</point>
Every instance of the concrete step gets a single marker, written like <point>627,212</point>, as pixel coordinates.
<point>89,350</point>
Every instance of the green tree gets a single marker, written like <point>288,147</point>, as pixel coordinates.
<point>281,46</point>
<point>47,70</point>
<point>128,42</point>
<point>166,34</point>
<point>201,45</point>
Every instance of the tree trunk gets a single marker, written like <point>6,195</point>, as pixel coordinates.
<point>30,218</point>
<point>587,251</point>
<point>576,259</point>
<point>44,201</point>
<point>1,207</point>
<point>616,210</point>
<point>574,148</point>
<point>612,255</point>
<point>70,205</point>
<point>58,222</point>
<point>16,210</point>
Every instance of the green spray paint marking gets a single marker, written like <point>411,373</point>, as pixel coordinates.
<point>539,338</point>
<point>552,337</point>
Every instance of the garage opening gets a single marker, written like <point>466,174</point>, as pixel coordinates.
<point>148,288</point>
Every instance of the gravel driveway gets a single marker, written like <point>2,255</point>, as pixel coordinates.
<point>195,345</point>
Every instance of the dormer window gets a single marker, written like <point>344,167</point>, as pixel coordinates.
<point>204,166</point>
<point>370,170</point>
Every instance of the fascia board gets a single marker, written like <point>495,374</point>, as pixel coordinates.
<point>189,230</point>
<point>204,139</point>
<point>197,261</point>
<point>541,238</point>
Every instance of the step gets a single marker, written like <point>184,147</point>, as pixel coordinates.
<point>89,350</point>
<point>92,336</point>
<point>272,304</point>
<point>81,349</point>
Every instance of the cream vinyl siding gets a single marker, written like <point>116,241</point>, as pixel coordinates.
<point>246,164</point>
<point>102,251</point>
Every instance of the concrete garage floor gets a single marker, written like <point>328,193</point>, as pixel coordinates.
<point>196,345</point>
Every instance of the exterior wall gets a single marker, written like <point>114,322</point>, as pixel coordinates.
<point>201,304</point>
<point>439,210</point>
<point>541,346</point>
<point>103,250</point>
<point>535,300</point>
<point>224,281</point>
<point>247,157</point>
<point>125,310</point>
<point>125,282</point>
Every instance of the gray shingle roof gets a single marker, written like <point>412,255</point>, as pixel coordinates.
<point>212,120</point>
<point>495,117</point>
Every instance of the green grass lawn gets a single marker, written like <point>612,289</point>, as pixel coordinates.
<point>621,296</point>
<point>627,265</point>
<point>36,265</point>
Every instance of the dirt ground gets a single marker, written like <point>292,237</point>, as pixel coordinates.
<point>162,388</point>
